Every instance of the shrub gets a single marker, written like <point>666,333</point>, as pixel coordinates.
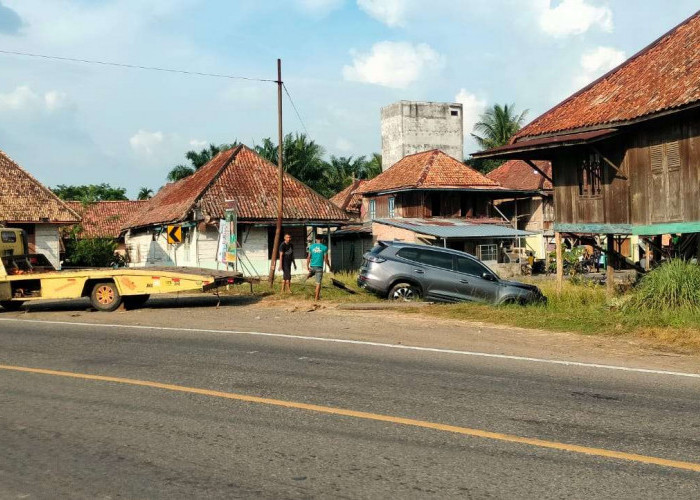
<point>674,285</point>
<point>91,252</point>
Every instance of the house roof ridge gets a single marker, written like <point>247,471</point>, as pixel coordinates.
<point>522,134</point>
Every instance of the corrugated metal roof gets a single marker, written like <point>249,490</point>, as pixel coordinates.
<point>454,228</point>
<point>25,199</point>
<point>663,76</point>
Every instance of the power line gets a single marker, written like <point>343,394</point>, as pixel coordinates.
<point>291,101</point>
<point>135,66</point>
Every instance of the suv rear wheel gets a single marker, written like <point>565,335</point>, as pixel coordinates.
<point>405,292</point>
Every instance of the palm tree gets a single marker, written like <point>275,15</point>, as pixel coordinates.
<point>497,126</point>
<point>145,193</point>
<point>198,160</point>
<point>303,159</point>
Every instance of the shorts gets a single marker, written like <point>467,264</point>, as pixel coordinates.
<point>317,274</point>
<point>287,270</point>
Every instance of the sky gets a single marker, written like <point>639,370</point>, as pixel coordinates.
<point>75,123</point>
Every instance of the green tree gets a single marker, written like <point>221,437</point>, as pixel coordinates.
<point>91,252</point>
<point>89,193</point>
<point>197,160</point>
<point>497,126</point>
<point>303,159</point>
<point>145,193</point>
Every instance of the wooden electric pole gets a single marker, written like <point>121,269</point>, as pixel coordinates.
<point>280,178</point>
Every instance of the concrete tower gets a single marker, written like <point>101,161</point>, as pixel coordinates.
<point>411,127</point>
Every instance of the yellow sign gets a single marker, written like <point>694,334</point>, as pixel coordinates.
<point>174,235</point>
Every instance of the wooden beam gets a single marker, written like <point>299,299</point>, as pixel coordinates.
<point>560,263</point>
<point>609,162</point>
<point>539,171</point>
<point>610,271</point>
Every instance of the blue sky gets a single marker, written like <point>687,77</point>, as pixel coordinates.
<point>342,60</point>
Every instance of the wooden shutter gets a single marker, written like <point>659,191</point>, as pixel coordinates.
<point>658,185</point>
<point>673,182</point>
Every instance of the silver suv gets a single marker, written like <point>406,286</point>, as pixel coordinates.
<point>405,271</point>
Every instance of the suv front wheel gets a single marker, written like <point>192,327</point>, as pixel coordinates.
<point>405,292</point>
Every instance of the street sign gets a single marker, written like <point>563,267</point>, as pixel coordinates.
<point>174,235</point>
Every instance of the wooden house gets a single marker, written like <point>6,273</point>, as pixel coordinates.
<point>243,183</point>
<point>625,150</point>
<point>26,204</point>
<point>432,198</point>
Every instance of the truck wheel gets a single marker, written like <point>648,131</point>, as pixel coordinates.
<point>105,297</point>
<point>404,292</point>
<point>11,305</point>
<point>134,301</point>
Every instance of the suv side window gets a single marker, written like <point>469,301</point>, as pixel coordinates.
<point>469,266</point>
<point>408,254</point>
<point>437,259</point>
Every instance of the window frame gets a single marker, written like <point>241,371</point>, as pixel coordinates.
<point>372,209</point>
<point>436,252</point>
<point>475,262</point>
<point>391,207</point>
<point>590,173</point>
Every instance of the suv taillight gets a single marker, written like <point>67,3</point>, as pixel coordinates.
<point>374,258</point>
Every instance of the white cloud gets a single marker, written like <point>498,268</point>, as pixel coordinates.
<point>390,12</point>
<point>147,143</point>
<point>319,7</point>
<point>596,63</point>
<point>55,100</point>
<point>24,99</point>
<point>472,109</point>
<point>195,143</point>
<point>343,145</point>
<point>573,17</point>
<point>393,64</point>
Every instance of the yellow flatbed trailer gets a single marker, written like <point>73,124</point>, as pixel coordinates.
<point>25,278</point>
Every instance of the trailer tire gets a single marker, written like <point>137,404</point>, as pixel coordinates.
<point>11,305</point>
<point>135,301</point>
<point>105,296</point>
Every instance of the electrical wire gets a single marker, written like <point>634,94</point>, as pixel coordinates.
<point>135,66</point>
<point>291,101</point>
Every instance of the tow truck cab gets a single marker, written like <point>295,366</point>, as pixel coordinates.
<point>13,242</point>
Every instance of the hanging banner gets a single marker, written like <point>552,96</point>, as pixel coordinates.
<point>224,237</point>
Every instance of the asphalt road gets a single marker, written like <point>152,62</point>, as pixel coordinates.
<point>71,437</point>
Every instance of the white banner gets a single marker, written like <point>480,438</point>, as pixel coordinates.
<point>224,237</point>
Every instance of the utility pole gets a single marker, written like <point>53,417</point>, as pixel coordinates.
<point>280,178</point>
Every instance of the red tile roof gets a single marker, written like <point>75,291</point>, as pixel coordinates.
<point>516,174</point>
<point>426,170</point>
<point>25,199</point>
<point>105,219</point>
<point>663,76</point>
<point>241,178</point>
<point>348,199</point>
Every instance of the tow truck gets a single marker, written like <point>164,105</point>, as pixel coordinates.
<point>26,277</point>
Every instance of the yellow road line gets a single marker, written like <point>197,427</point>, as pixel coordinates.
<point>509,438</point>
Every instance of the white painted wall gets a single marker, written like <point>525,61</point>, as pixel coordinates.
<point>46,241</point>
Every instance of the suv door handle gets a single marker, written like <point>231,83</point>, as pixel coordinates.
<point>419,271</point>
<point>464,281</point>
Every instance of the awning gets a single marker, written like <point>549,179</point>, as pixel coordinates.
<point>524,149</point>
<point>455,228</point>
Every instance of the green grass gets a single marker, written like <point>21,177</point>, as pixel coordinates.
<point>582,307</point>
<point>304,290</point>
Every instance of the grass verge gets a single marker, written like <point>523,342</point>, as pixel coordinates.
<point>581,308</point>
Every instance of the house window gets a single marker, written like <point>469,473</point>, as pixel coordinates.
<point>372,209</point>
<point>488,253</point>
<point>392,212</point>
<point>590,176</point>
<point>454,112</point>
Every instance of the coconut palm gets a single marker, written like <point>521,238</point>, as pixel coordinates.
<point>497,126</point>
<point>145,193</point>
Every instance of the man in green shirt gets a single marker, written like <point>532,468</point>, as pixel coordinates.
<point>318,256</point>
